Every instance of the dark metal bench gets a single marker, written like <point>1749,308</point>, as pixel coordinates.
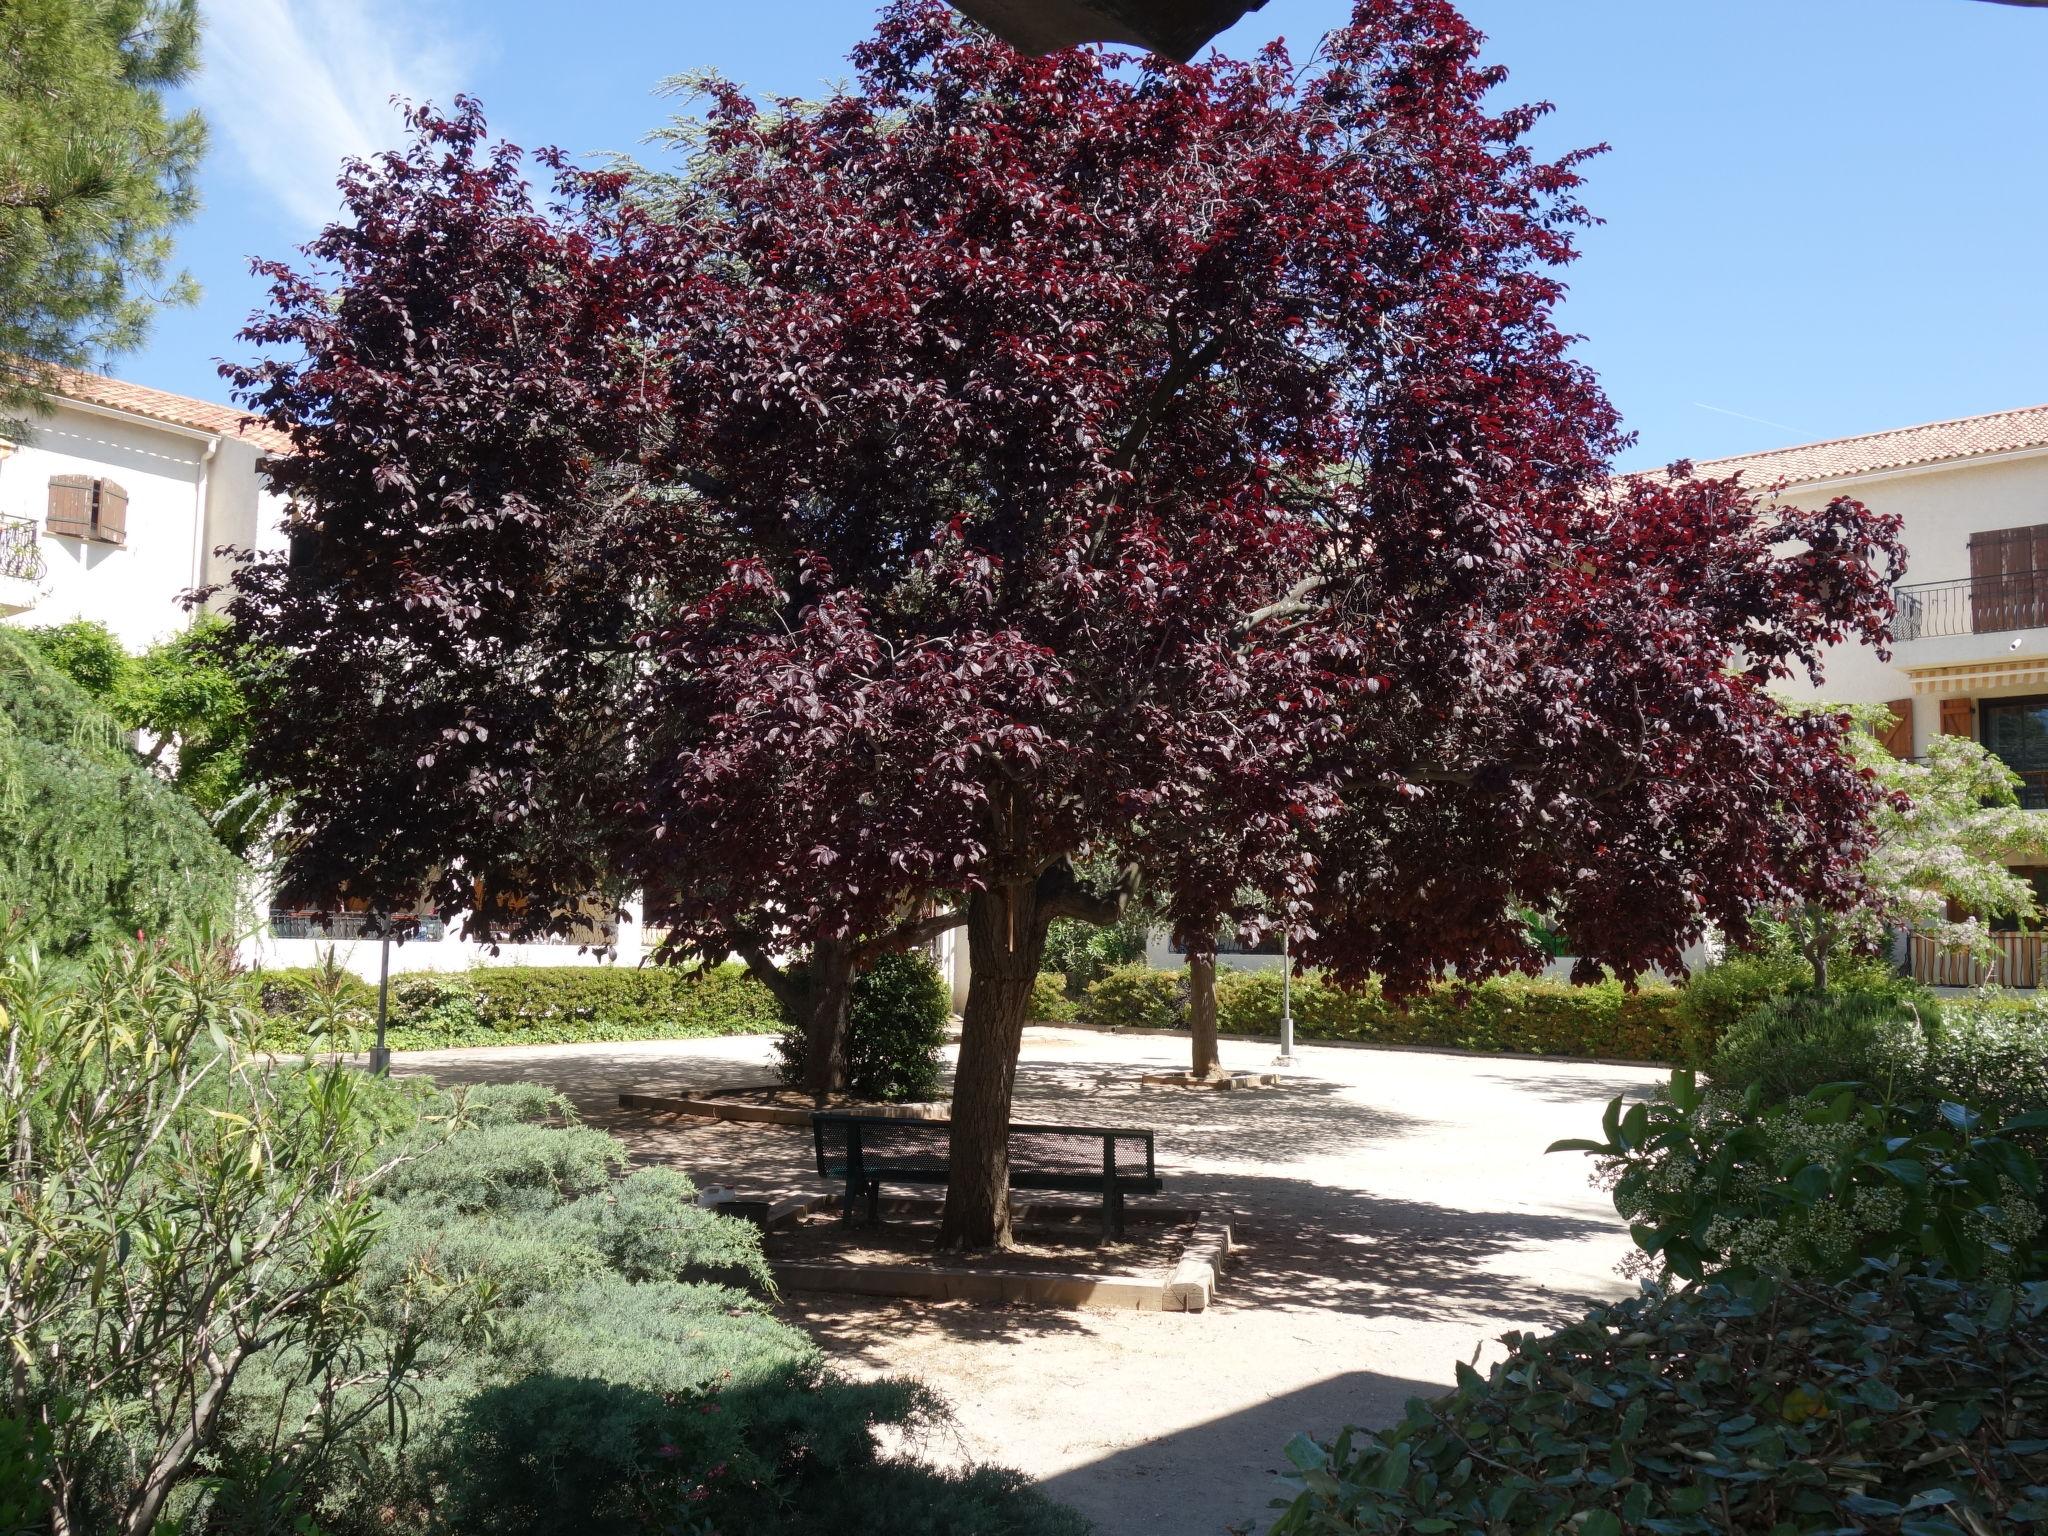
<point>868,1151</point>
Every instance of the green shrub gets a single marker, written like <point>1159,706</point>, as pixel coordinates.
<point>436,1004</point>
<point>521,1005</point>
<point>1905,1404</point>
<point>1079,952</point>
<point>1716,996</point>
<point>511,1167</point>
<point>1049,1001</point>
<point>648,1226</point>
<point>93,846</point>
<point>1791,1045</point>
<point>1513,1014</point>
<point>895,1029</point>
<point>1993,1056</point>
<point>1136,997</point>
<point>1721,1183</point>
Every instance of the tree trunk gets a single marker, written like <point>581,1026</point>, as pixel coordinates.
<point>1202,1013</point>
<point>1005,943</point>
<point>827,992</point>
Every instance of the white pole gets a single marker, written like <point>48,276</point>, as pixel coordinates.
<point>380,1054</point>
<point>1286,1056</point>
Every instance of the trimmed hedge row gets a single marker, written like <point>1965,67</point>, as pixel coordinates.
<point>516,1005</point>
<point>1519,1015</point>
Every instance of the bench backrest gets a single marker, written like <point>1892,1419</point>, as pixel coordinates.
<point>923,1145</point>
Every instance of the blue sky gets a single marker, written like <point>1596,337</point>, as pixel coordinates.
<point>1823,216</point>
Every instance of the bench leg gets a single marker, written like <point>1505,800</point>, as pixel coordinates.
<point>874,1202</point>
<point>1112,1212</point>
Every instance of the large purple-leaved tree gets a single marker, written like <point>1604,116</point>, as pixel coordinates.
<point>1009,457</point>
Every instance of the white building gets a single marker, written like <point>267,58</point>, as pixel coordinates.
<point>1970,643</point>
<point>117,506</point>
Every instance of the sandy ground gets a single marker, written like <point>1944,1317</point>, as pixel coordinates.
<point>1394,1213</point>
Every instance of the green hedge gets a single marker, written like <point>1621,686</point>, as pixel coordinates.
<point>1517,1015</point>
<point>517,1005</point>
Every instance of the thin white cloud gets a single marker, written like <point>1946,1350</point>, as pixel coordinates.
<point>291,88</point>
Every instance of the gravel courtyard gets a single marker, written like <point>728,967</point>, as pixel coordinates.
<point>1393,1212</point>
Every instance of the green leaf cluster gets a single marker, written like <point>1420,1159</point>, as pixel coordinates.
<point>94,174</point>
<point>327,1007</point>
<point>92,845</point>
<point>187,697</point>
<point>1900,1404</point>
<point>895,1029</point>
<point>1512,1014</point>
<point>1721,1183</point>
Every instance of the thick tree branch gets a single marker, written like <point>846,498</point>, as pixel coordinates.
<point>1061,894</point>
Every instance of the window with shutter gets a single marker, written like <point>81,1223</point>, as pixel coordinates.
<point>109,513</point>
<point>1898,740</point>
<point>70,509</point>
<point>2009,578</point>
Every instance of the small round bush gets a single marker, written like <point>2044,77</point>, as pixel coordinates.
<point>1791,1045</point>
<point>896,1029</point>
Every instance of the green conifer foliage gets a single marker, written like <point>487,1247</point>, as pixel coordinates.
<point>93,176</point>
<point>91,844</point>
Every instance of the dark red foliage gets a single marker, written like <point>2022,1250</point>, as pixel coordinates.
<point>1013,456</point>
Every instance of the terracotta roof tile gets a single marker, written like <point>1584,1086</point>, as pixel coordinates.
<point>161,405</point>
<point>1937,442</point>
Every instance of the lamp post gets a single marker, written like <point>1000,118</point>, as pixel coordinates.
<point>1286,1056</point>
<point>380,1053</point>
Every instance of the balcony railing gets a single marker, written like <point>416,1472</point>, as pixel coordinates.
<point>286,924</point>
<point>1976,605</point>
<point>2016,960</point>
<point>21,555</point>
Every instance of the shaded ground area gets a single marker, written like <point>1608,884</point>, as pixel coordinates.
<point>1393,1212</point>
<point>1147,1248</point>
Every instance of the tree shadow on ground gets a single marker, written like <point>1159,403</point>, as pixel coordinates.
<point>1304,1117</point>
<point>1566,1089</point>
<point>866,1329</point>
<point>1377,1256</point>
<point>1222,1476</point>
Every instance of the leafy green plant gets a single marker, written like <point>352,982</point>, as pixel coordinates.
<point>896,1027</point>
<point>1905,1404</point>
<point>178,1209</point>
<point>93,848</point>
<point>1514,1014</point>
<point>1050,1003</point>
<point>437,1005</point>
<point>1793,1044</point>
<point>1078,953</point>
<point>522,1005</point>
<point>1719,1183</point>
<point>1136,997</point>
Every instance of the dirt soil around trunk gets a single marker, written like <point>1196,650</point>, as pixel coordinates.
<point>1392,1212</point>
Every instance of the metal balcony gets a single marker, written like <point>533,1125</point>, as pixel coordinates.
<point>1976,605</point>
<point>21,555</point>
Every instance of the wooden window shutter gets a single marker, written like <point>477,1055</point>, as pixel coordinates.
<point>1955,717</point>
<point>70,512</point>
<point>1899,739</point>
<point>109,512</point>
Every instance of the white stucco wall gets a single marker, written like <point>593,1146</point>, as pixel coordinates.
<point>189,492</point>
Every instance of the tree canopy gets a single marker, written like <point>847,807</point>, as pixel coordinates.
<point>94,174</point>
<point>1010,457</point>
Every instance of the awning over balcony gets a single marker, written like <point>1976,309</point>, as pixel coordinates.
<point>1978,676</point>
